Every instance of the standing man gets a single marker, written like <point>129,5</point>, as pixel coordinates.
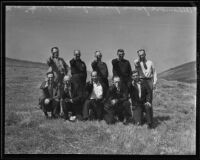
<point>49,101</point>
<point>101,68</point>
<point>95,92</point>
<point>146,70</point>
<point>71,98</point>
<point>117,103</point>
<point>140,95</point>
<point>57,65</point>
<point>122,68</point>
<point>78,69</point>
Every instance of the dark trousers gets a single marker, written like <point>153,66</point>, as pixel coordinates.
<point>96,107</point>
<point>121,110</point>
<point>138,114</point>
<point>105,81</point>
<point>53,107</point>
<point>70,107</point>
<point>79,80</point>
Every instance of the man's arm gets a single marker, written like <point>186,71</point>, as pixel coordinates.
<point>50,61</point>
<point>66,67</point>
<point>129,68</point>
<point>115,68</point>
<point>94,65</point>
<point>154,75</point>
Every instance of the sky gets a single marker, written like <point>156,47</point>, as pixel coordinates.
<point>168,34</point>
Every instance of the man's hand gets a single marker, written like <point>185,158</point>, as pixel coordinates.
<point>137,62</point>
<point>147,104</point>
<point>113,101</point>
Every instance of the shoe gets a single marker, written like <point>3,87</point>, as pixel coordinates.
<point>150,126</point>
<point>72,118</point>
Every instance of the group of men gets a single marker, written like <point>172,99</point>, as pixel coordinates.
<point>127,99</point>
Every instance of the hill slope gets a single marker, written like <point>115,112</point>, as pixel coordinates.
<point>28,132</point>
<point>182,73</point>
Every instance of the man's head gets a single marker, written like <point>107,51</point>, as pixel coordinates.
<point>98,55</point>
<point>94,76</point>
<point>55,52</point>
<point>50,77</point>
<point>67,79</point>
<point>77,54</point>
<point>135,76</point>
<point>141,54</point>
<point>120,53</point>
<point>116,81</point>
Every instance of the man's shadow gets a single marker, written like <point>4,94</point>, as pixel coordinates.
<point>159,120</point>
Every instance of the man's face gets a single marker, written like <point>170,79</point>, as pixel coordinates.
<point>50,78</point>
<point>117,82</point>
<point>77,54</point>
<point>98,55</point>
<point>55,53</point>
<point>142,55</point>
<point>94,77</point>
<point>135,77</point>
<point>120,55</point>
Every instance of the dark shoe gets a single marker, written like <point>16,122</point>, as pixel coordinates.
<point>125,122</point>
<point>150,126</point>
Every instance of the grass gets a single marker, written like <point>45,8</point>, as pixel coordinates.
<point>28,132</point>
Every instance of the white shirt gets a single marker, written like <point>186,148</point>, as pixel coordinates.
<point>150,72</point>
<point>139,89</point>
<point>97,92</point>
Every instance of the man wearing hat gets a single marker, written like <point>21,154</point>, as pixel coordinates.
<point>57,65</point>
<point>140,95</point>
<point>49,101</point>
<point>95,96</point>
<point>71,99</point>
<point>101,68</point>
<point>78,69</point>
<point>122,68</point>
<point>146,70</point>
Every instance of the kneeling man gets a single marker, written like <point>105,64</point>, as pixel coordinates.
<point>71,99</point>
<point>49,101</point>
<point>140,95</point>
<point>95,94</point>
<point>117,103</point>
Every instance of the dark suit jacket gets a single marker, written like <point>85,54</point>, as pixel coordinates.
<point>113,94</point>
<point>46,91</point>
<point>121,68</point>
<point>89,88</point>
<point>100,68</point>
<point>76,93</point>
<point>134,94</point>
<point>78,67</point>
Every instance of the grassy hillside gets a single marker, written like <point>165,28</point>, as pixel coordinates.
<point>182,73</point>
<point>27,130</point>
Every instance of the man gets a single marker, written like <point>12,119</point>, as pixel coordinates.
<point>95,92</point>
<point>101,68</point>
<point>146,70</point>
<point>57,65</point>
<point>140,95</point>
<point>78,69</point>
<point>117,103</point>
<point>122,67</point>
<point>49,101</point>
<point>71,99</point>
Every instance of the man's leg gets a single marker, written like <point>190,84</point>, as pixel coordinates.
<point>138,114</point>
<point>149,115</point>
<point>127,110</point>
<point>97,106</point>
<point>55,108</point>
<point>66,109</point>
<point>86,108</point>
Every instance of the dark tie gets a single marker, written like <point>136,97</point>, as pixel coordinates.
<point>145,66</point>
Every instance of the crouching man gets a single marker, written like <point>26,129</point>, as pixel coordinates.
<point>49,101</point>
<point>95,94</point>
<point>71,99</point>
<point>140,95</point>
<point>117,103</point>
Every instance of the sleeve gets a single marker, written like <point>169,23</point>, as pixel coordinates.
<point>43,85</point>
<point>154,74</point>
<point>72,62</point>
<point>147,72</point>
<point>106,71</point>
<point>66,67</point>
<point>94,65</point>
<point>49,61</point>
<point>115,69</point>
<point>129,68</point>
